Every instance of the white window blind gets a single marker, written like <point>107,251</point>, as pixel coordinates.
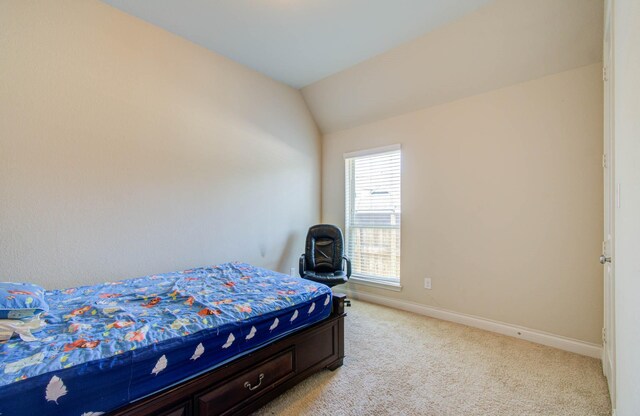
<point>372,217</point>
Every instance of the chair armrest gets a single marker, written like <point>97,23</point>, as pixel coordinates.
<point>346,259</point>
<point>301,265</point>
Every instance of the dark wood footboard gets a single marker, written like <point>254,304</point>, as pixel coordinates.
<point>249,382</point>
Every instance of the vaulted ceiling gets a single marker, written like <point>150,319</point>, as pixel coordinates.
<point>501,44</point>
<point>362,60</point>
<point>298,41</point>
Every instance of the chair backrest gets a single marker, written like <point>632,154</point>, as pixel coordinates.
<point>324,248</point>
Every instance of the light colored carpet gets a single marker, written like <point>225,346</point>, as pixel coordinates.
<point>399,363</point>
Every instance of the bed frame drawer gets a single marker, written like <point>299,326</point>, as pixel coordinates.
<point>247,385</point>
<point>284,363</point>
<point>183,409</point>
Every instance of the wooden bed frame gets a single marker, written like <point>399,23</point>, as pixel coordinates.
<point>247,383</point>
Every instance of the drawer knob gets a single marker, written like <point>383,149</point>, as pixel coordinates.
<point>247,385</point>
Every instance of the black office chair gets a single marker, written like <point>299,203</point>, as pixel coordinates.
<point>323,257</point>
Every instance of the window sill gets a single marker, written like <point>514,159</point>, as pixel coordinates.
<point>395,286</point>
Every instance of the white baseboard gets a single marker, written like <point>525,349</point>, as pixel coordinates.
<point>539,337</point>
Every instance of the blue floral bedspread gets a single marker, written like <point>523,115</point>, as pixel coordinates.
<point>107,345</point>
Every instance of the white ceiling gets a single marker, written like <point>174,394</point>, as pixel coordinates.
<point>299,42</point>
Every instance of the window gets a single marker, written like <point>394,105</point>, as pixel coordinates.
<point>372,215</point>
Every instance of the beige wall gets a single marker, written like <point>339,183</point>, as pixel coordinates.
<point>501,202</point>
<point>125,150</point>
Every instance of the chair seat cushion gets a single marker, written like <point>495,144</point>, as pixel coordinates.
<point>330,279</point>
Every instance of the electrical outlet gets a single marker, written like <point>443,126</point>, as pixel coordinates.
<point>427,283</point>
<point>293,272</point>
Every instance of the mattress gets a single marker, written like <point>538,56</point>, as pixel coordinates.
<point>107,345</point>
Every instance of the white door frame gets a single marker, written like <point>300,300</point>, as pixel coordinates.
<point>610,193</point>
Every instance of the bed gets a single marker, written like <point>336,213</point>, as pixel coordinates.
<point>216,340</point>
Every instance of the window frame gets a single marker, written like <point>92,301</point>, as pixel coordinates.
<point>391,283</point>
